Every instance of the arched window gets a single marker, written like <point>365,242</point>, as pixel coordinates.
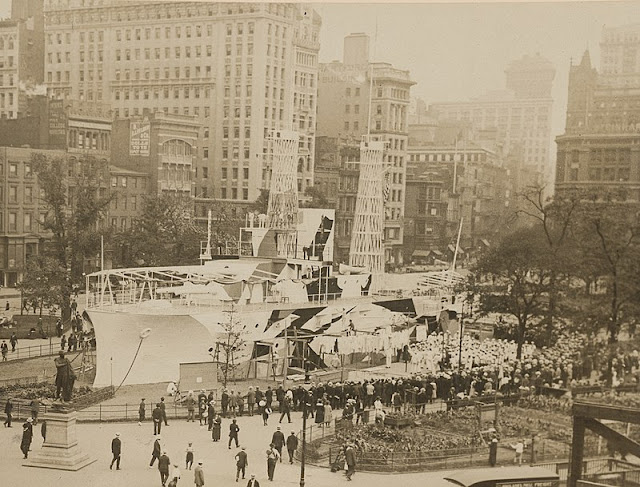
<point>176,147</point>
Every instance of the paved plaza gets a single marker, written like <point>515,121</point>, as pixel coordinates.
<point>219,463</point>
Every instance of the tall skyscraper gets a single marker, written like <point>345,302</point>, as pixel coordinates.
<point>21,57</point>
<point>521,114</point>
<point>347,110</point>
<point>240,69</point>
<point>600,148</point>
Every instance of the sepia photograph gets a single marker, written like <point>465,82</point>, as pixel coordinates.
<point>294,244</point>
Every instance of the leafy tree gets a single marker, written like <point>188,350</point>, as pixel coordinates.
<point>607,239</point>
<point>74,207</point>
<point>318,198</point>
<point>229,345</point>
<point>261,204</point>
<point>44,282</point>
<point>165,234</point>
<point>513,279</point>
<point>554,219</point>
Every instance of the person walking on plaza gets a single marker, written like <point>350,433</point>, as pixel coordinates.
<point>493,452</point>
<point>216,431</point>
<point>163,467</point>
<point>202,406</point>
<point>4,349</point>
<point>224,403</point>
<point>277,440</point>
<point>35,409</point>
<point>63,342</point>
<point>251,401</point>
<point>253,482</point>
<point>242,462</point>
<point>285,408</point>
<point>13,340</point>
<point>175,476</point>
<point>163,407</point>
<point>189,461</point>
<point>292,445</point>
<point>350,460</point>
<point>7,306</point>
<point>8,410</point>
<point>157,449</point>
<point>27,437</point>
<point>233,433</point>
<point>142,411</point>
<point>266,411</point>
<point>272,459</point>
<point>519,450</point>
<point>198,475</point>
<point>190,402</point>
<point>116,449</point>
<point>240,403</point>
<point>156,415</point>
<point>211,414</point>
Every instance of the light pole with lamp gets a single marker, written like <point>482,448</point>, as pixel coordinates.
<point>304,417</point>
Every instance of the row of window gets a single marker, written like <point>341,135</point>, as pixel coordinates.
<point>6,100</point>
<point>186,111</point>
<point>188,51</point>
<point>224,193</point>
<point>7,42</point>
<point>13,195</point>
<point>28,222</point>
<point>9,78</point>
<point>13,168</point>
<point>6,64</point>
<point>448,157</point>
<point>175,93</point>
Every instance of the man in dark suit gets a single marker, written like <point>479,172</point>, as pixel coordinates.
<point>164,411</point>
<point>163,467</point>
<point>116,448</point>
<point>157,449</point>
<point>350,460</point>
<point>156,415</point>
<point>292,445</point>
<point>253,482</point>
<point>278,441</point>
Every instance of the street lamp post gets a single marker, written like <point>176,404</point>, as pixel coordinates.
<point>304,440</point>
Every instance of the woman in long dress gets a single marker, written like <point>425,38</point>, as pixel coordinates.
<point>217,428</point>
<point>328,414</point>
<point>319,413</point>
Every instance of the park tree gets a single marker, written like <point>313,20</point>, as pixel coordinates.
<point>43,284</point>
<point>74,206</point>
<point>513,278</point>
<point>554,219</point>
<point>261,204</point>
<point>227,348</point>
<point>165,234</point>
<point>606,237</point>
<point>315,198</point>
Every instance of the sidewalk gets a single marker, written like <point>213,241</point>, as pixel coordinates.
<point>219,463</point>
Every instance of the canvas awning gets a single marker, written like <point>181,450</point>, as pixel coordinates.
<point>421,253</point>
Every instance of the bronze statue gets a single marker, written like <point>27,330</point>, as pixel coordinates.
<point>65,377</point>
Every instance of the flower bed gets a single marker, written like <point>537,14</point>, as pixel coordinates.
<point>41,390</point>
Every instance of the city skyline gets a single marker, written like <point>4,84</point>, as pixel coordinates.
<point>480,38</point>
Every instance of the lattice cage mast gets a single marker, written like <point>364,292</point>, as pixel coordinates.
<point>367,249</point>
<point>282,213</point>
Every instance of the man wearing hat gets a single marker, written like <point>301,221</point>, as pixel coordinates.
<point>292,445</point>
<point>116,448</point>
<point>198,475</point>
<point>142,411</point>
<point>163,467</point>
<point>350,460</point>
<point>272,459</point>
<point>253,482</point>
<point>156,415</point>
<point>27,436</point>
<point>242,462</point>
<point>278,441</point>
<point>157,449</point>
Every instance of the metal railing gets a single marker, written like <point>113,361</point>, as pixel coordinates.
<point>33,351</point>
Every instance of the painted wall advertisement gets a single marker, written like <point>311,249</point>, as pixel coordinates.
<point>140,138</point>
<point>57,124</point>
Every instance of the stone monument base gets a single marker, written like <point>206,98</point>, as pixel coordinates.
<point>60,450</point>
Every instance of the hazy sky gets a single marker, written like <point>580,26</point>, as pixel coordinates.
<point>456,51</point>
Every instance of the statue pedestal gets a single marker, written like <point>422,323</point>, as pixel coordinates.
<point>60,450</point>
